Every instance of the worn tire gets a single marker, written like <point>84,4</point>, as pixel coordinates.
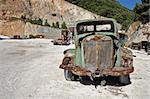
<point>148,52</point>
<point>54,43</point>
<point>124,80</point>
<point>69,76</point>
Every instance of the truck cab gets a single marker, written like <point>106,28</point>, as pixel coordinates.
<point>97,52</point>
<point>64,39</point>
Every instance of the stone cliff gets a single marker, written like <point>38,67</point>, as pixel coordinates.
<point>43,9</point>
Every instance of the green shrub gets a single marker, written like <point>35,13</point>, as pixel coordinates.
<point>46,23</point>
<point>63,25</point>
<point>57,24</point>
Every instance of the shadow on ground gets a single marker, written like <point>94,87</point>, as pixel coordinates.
<point>103,81</point>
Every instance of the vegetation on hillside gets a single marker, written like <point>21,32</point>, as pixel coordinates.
<point>57,25</point>
<point>63,25</point>
<point>143,11</point>
<point>108,8</point>
<point>39,21</point>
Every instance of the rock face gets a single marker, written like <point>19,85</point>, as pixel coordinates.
<point>52,10</point>
<point>9,8</point>
<point>49,32</point>
<point>12,28</point>
<point>13,8</point>
<point>139,32</point>
<point>132,29</point>
<point>43,9</point>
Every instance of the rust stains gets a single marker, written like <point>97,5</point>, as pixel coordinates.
<point>117,71</point>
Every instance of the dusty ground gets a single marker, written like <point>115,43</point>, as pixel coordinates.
<point>29,70</point>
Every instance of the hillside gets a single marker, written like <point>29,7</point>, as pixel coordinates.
<point>107,8</point>
<point>18,13</point>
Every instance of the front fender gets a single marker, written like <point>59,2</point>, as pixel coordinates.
<point>69,53</point>
<point>126,53</point>
<point>126,57</point>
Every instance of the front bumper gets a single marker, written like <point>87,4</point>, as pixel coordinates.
<point>116,71</point>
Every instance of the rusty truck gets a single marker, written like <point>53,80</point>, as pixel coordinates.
<point>97,52</point>
<point>64,39</point>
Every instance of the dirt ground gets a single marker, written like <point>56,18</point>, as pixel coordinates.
<point>29,69</point>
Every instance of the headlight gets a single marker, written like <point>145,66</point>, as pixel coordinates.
<point>127,62</point>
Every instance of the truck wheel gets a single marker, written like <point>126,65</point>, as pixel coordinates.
<point>148,52</point>
<point>54,43</point>
<point>139,48</point>
<point>69,76</point>
<point>124,80</point>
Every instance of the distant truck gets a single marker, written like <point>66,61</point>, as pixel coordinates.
<point>141,45</point>
<point>148,48</point>
<point>97,52</point>
<point>31,36</point>
<point>64,39</point>
<point>136,45</point>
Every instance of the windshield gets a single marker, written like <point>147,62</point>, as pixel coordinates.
<point>95,26</point>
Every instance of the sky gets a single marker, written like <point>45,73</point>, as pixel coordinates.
<point>129,3</point>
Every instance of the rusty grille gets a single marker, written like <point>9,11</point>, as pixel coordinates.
<point>98,53</point>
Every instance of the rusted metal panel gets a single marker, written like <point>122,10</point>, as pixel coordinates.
<point>97,52</point>
<point>119,71</point>
<point>90,54</point>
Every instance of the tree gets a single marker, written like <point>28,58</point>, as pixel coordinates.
<point>39,21</point>
<point>145,1</point>
<point>143,11</point>
<point>63,25</point>
<point>53,25</point>
<point>107,8</point>
<point>57,24</point>
<point>46,23</point>
<point>23,17</point>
